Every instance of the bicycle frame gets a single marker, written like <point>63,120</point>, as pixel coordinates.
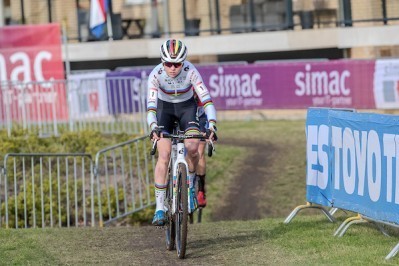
<point>177,157</point>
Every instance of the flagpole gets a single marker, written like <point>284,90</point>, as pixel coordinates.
<point>109,22</point>
<point>109,28</point>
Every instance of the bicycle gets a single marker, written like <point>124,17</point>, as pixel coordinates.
<point>176,202</point>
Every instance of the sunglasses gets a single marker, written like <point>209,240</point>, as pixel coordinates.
<point>169,64</point>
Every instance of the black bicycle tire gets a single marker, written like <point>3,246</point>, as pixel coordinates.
<point>199,218</point>
<point>191,218</point>
<point>170,231</point>
<point>181,216</point>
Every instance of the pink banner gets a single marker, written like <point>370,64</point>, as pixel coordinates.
<point>339,84</point>
<point>30,61</point>
<point>286,85</point>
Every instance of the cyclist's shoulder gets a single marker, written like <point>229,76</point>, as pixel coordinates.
<point>188,66</point>
<point>156,71</point>
<point>192,71</point>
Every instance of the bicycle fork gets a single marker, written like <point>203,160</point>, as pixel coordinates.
<point>179,160</point>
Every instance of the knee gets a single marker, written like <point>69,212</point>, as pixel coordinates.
<point>192,152</point>
<point>163,157</point>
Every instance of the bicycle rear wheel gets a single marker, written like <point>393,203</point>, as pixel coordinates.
<point>199,210</point>
<point>199,218</point>
<point>181,216</point>
<point>170,229</point>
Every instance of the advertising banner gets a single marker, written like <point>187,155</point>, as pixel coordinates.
<point>288,85</point>
<point>126,91</point>
<point>338,84</point>
<point>366,163</point>
<point>386,84</point>
<point>353,162</point>
<point>31,53</point>
<point>30,65</point>
<point>88,95</point>
<point>318,177</point>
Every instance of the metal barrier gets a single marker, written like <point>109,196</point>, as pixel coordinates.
<point>44,189</point>
<point>107,105</point>
<point>123,174</point>
<point>69,190</point>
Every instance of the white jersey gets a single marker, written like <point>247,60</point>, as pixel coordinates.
<point>176,90</point>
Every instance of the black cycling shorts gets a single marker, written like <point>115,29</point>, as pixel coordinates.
<point>184,113</point>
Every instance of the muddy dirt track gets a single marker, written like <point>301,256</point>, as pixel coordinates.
<point>242,199</point>
<point>240,203</point>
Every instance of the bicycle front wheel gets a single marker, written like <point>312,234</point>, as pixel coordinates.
<point>170,229</point>
<point>181,218</point>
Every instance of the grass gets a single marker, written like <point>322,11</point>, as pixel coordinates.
<point>307,240</point>
<point>287,187</point>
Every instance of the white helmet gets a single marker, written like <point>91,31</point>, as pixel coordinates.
<point>173,51</point>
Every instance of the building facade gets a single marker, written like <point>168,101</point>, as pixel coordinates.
<point>221,30</point>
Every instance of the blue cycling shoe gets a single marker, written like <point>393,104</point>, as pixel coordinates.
<point>159,218</point>
<point>192,200</point>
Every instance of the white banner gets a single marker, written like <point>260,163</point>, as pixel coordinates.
<point>88,95</point>
<point>386,84</point>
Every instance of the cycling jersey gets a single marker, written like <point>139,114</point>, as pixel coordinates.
<point>177,90</point>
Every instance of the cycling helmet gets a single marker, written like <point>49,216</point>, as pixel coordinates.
<point>173,51</point>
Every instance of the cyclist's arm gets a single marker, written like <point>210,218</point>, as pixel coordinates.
<point>205,98</point>
<point>152,101</point>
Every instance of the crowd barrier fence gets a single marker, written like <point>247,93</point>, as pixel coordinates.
<point>72,189</point>
<point>108,105</point>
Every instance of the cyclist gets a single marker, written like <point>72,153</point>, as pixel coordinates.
<point>201,167</point>
<point>170,98</point>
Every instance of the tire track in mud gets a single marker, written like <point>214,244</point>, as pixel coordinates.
<point>243,193</point>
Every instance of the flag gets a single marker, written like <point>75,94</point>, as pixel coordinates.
<point>98,16</point>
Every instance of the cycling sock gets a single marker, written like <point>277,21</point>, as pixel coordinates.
<point>191,176</point>
<point>160,194</point>
<point>201,183</point>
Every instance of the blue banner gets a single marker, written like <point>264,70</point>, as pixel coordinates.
<point>353,162</point>
<point>124,94</point>
<point>365,163</point>
<point>318,178</point>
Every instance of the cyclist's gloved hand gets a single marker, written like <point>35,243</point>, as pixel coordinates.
<point>211,132</point>
<point>155,133</point>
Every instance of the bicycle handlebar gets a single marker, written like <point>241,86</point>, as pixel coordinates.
<point>211,146</point>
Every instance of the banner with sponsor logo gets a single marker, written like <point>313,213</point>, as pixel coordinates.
<point>289,85</point>
<point>366,168</point>
<point>31,53</point>
<point>353,158</point>
<point>339,84</point>
<point>88,95</point>
<point>31,68</point>
<point>126,91</point>
<point>318,184</point>
<point>386,84</point>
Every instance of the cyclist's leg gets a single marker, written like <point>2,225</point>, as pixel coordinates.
<point>188,121</point>
<point>189,124</point>
<point>161,168</point>
<point>165,119</point>
<point>201,167</point>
